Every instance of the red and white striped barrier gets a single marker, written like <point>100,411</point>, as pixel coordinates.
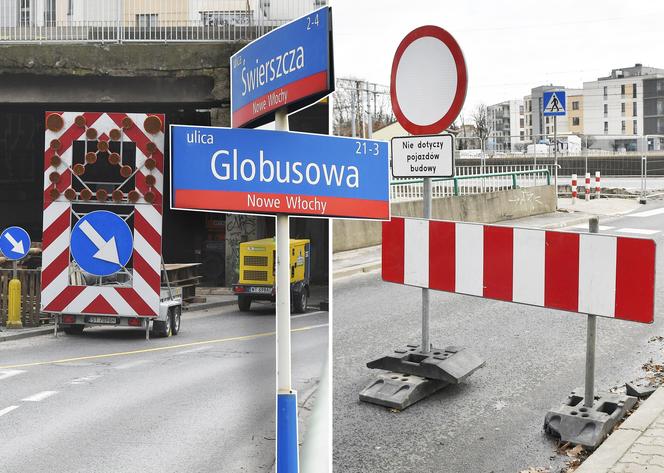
<point>597,185</point>
<point>527,266</point>
<point>58,292</point>
<point>574,188</point>
<point>587,186</point>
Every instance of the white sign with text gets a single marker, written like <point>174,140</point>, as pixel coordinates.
<point>423,156</point>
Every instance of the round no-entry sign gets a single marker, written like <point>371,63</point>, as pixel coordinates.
<point>429,81</point>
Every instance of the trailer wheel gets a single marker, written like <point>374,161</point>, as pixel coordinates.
<point>163,329</point>
<point>244,303</point>
<point>74,329</point>
<point>300,301</point>
<point>175,322</point>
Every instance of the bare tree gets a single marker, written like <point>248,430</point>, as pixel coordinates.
<point>481,120</point>
<point>355,101</point>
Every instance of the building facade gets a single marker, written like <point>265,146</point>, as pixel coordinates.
<point>506,125</point>
<point>575,111</point>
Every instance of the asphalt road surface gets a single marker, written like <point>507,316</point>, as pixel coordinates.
<point>109,401</point>
<point>493,422</point>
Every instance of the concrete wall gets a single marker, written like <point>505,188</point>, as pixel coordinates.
<point>487,208</point>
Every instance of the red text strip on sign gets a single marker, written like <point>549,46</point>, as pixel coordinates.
<point>588,273</point>
<point>61,291</point>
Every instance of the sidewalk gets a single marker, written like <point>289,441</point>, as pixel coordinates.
<point>19,333</point>
<point>363,260</point>
<point>637,446</point>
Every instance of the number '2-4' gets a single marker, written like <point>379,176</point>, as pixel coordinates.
<point>310,22</point>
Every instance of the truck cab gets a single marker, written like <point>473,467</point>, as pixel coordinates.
<point>257,273</point>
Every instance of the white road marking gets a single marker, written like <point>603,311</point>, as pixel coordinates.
<point>307,315</point>
<point>637,231</point>
<point>84,379</point>
<point>39,396</point>
<point>192,350</point>
<point>647,213</point>
<point>584,226</point>
<point>132,364</point>
<point>7,410</point>
<point>4,374</point>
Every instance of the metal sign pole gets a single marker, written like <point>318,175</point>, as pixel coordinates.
<point>287,438</point>
<point>591,335</point>
<point>555,155</point>
<point>426,203</point>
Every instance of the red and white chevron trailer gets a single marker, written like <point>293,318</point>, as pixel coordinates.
<point>101,247</point>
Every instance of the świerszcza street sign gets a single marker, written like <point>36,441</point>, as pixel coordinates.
<point>554,103</point>
<point>423,156</point>
<point>276,172</point>
<point>290,67</point>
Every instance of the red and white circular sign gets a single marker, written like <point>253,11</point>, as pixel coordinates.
<point>429,81</point>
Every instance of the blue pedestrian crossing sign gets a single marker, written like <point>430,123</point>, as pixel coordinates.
<point>101,243</point>
<point>554,103</point>
<point>14,243</point>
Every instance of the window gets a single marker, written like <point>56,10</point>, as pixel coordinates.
<point>660,107</point>
<point>226,18</point>
<point>660,86</point>
<point>547,130</point>
<point>606,92</point>
<point>623,127</point>
<point>575,121</point>
<point>622,108</point>
<point>575,105</point>
<point>521,122</point>
<point>547,120</point>
<point>633,91</point>
<point>635,128</point>
<point>634,109</point>
<point>606,127</point>
<point>147,20</point>
<point>606,109</point>
<point>24,13</point>
<point>622,90</point>
<point>319,3</point>
<point>49,13</point>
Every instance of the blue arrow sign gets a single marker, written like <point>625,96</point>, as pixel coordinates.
<point>554,103</point>
<point>14,243</point>
<point>101,243</point>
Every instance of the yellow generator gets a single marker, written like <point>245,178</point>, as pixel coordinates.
<point>257,273</point>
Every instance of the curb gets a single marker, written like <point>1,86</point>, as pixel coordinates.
<point>362,268</point>
<point>620,441</point>
<point>210,305</point>
<point>7,335</point>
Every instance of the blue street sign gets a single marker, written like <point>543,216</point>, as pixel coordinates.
<point>554,103</point>
<point>101,243</point>
<point>264,171</point>
<point>14,243</point>
<point>291,67</point>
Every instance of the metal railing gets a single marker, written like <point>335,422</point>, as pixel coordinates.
<point>404,190</point>
<point>37,21</point>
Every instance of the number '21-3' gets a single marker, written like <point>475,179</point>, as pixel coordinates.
<point>362,148</point>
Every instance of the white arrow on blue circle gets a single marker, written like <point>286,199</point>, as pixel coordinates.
<point>106,250</point>
<point>17,246</point>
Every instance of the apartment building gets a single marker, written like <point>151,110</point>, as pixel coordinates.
<point>653,105</point>
<point>151,13</point>
<point>538,127</point>
<point>575,111</point>
<point>614,107</point>
<point>506,125</point>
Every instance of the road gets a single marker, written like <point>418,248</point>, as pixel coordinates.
<point>493,422</point>
<point>109,401</point>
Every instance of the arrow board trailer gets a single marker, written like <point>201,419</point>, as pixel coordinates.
<point>290,67</point>
<point>423,156</point>
<point>276,172</point>
<point>101,244</point>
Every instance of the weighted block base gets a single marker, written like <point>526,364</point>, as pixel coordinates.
<point>399,390</point>
<point>451,364</point>
<point>587,426</point>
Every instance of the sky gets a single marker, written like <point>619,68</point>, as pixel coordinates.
<point>509,46</point>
